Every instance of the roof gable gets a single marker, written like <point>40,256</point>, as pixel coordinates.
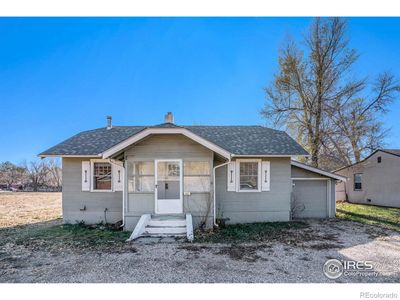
<point>395,152</point>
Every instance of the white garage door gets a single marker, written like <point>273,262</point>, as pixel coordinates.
<point>309,199</point>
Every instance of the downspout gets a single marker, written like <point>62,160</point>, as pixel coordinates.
<point>214,206</point>
<point>111,161</point>
<point>124,194</point>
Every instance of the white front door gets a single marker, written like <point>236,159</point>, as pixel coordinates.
<point>168,189</point>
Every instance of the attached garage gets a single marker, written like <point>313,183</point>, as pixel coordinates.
<point>313,192</point>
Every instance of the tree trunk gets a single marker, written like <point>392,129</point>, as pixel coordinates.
<point>314,155</point>
<point>356,151</point>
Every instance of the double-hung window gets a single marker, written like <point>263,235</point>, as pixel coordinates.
<point>249,175</point>
<point>358,181</point>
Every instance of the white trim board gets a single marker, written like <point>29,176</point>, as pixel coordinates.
<point>318,171</point>
<point>310,178</point>
<point>86,156</point>
<point>266,155</point>
<point>146,132</point>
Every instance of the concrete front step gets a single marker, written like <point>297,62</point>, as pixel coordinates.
<point>176,235</point>
<point>163,226</point>
<point>165,230</point>
<point>167,223</point>
<point>168,217</point>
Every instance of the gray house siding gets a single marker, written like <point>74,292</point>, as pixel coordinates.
<point>237,207</point>
<point>302,173</point>
<point>380,181</point>
<point>169,147</point>
<point>74,199</point>
<point>273,205</point>
<point>313,194</point>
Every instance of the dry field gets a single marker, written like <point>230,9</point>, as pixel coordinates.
<point>27,208</point>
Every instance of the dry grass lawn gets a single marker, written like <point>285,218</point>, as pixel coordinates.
<point>28,208</point>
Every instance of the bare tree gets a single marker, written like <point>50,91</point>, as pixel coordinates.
<point>316,97</point>
<point>355,120</point>
<point>10,173</point>
<point>54,176</point>
<point>36,174</point>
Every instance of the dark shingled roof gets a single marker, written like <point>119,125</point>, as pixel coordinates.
<point>392,151</point>
<point>239,140</point>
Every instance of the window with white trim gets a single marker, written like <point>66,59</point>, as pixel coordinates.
<point>358,181</point>
<point>102,176</point>
<point>248,175</point>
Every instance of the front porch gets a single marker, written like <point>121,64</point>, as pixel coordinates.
<point>168,178</point>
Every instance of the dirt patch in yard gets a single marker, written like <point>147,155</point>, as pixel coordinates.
<point>194,248</point>
<point>297,234</point>
<point>249,253</point>
<point>27,208</point>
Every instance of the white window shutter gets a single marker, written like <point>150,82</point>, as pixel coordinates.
<point>86,176</point>
<point>265,176</point>
<point>118,177</point>
<point>231,177</point>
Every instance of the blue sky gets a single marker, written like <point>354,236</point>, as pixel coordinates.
<point>60,76</point>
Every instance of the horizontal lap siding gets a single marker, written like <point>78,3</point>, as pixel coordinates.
<point>140,203</point>
<point>73,199</point>
<point>168,147</point>
<point>302,173</point>
<point>242,207</point>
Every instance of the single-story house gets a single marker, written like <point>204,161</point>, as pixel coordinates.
<point>167,179</point>
<point>374,180</point>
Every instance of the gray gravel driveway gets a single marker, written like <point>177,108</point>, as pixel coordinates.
<point>166,261</point>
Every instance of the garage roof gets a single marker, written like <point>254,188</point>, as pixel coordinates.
<point>318,171</point>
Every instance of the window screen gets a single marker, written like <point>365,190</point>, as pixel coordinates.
<point>358,182</point>
<point>248,176</point>
<point>140,176</point>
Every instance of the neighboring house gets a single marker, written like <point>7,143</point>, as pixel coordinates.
<point>374,180</point>
<point>150,177</point>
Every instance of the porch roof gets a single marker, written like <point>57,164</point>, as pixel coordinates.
<point>237,140</point>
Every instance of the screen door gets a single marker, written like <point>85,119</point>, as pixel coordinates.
<point>168,189</point>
